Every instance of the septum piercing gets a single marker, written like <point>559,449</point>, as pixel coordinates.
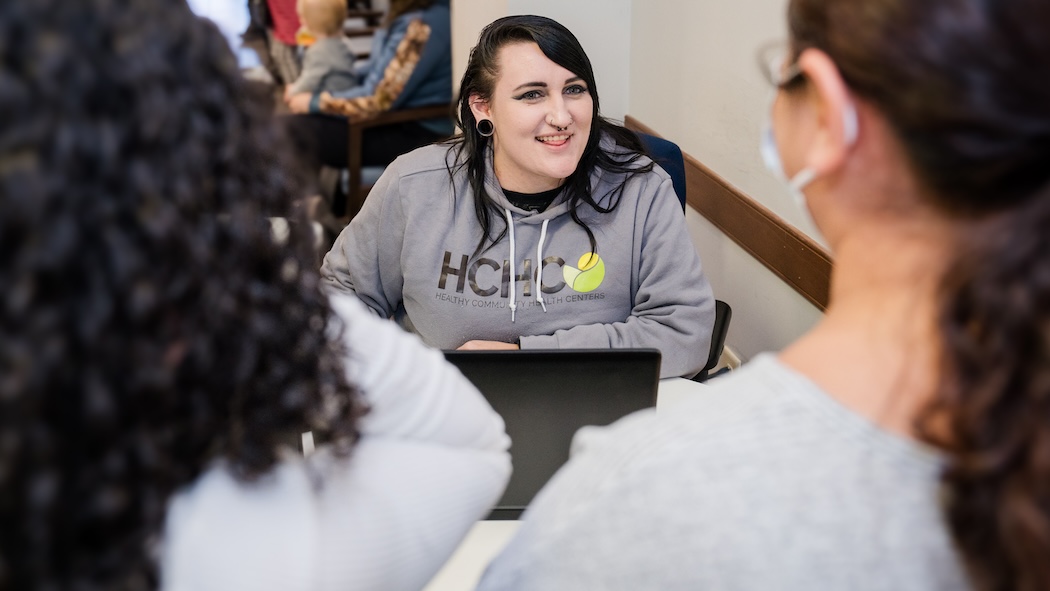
<point>558,127</point>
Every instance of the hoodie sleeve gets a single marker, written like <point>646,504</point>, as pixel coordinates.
<point>674,307</point>
<point>366,257</point>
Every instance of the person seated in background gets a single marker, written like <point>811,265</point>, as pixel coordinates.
<point>328,62</point>
<point>904,442</point>
<point>159,347</point>
<point>281,23</point>
<point>409,65</point>
<point>542,226</point>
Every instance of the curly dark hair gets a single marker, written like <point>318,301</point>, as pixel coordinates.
<point>149,323</point>
<point>560,46</point>
<point>963,84</point>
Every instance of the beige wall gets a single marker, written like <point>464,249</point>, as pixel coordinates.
<point>607,44</point>
<point>468,18</point>
<point>687,69</point>
<point>604,30</point>
<point>694,79</point>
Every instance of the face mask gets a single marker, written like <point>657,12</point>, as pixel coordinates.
<point>771,159</point>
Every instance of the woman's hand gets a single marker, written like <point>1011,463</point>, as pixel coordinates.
<point>299,103</point>
<point>487,346</point>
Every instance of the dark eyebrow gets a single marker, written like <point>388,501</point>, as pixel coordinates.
<point>530,84</point>
<point>544,84</point>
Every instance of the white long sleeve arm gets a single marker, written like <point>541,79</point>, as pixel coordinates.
<point>432,459</point>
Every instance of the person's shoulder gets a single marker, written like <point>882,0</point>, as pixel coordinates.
<point>427,160</point>
<point>628,172</point>
<point>740,420</point>
<point>674,442</point>
<point>631,158</point>
<point>609,145</point>
<point>728,401</point>
<point>759,391</point>
<point>768,409</point>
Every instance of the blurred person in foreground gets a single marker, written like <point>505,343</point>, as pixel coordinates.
<point>158,346</point>
<point>904,442</point>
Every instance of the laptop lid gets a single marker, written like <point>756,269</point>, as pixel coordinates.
<point>545,396</point>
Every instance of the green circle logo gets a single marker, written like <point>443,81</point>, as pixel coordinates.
<point>588,277</point>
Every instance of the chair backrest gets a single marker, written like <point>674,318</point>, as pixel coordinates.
<point>669,156</point>
<point>723,314</point>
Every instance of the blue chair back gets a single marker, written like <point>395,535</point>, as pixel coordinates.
<point>669,156</point>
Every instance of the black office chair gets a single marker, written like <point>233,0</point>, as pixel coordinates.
<point>723,314</point>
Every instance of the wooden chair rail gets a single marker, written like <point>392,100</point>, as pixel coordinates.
<point>793,256</point>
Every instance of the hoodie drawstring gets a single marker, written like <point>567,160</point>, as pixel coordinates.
<point>539,265</point>
<point>513,295</point>
<point>513,270</point>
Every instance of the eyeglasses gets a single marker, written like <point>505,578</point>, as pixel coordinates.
<point>776,62</point>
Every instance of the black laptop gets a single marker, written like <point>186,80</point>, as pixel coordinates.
<point>546,396</point>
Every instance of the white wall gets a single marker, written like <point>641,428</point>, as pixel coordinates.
<point>687,69</point>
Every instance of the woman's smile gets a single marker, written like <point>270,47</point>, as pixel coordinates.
<point>554,140</point>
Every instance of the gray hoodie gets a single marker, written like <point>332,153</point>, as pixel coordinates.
<point>409,255</point>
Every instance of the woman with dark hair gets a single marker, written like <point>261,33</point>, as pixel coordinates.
<point>904,443</point>
<point>542,226</point>
<point>158,346</point>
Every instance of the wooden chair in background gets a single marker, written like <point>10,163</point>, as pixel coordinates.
<point>363,177</point>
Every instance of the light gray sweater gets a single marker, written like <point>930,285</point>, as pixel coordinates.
<point>761,482</point>
<point>409,254</point>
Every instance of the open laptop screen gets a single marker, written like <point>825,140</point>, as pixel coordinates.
<point>545,396</point>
